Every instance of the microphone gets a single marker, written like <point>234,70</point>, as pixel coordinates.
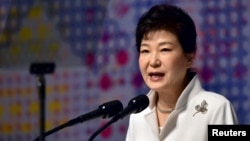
<point>135,105</point>
<point>105,110</point>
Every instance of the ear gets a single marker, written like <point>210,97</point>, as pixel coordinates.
<point>190,59</point>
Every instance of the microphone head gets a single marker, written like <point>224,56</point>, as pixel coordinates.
<point>140,102</point>
<point>135,105</point>
<point>111,108</point>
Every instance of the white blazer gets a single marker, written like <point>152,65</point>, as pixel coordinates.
<point>187,122</point>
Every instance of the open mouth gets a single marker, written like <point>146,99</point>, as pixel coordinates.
<point>156,75</point>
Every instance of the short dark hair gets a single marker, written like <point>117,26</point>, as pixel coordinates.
<point>169,18</point>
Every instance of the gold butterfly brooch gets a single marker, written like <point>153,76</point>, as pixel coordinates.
<point>201,108</point>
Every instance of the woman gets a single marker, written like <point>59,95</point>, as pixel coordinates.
<point>180,109</point>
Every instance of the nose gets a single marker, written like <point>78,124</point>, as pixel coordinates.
<point>154,61</point>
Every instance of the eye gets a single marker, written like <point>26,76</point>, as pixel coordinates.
<point>165,49</point>
<point>144,51</point>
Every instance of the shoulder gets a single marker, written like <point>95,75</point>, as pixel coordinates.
<point>209,95</point>
<point>212,99</point>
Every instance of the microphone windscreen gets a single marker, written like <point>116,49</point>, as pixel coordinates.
<point>111,108</point>
<point>140,102</point>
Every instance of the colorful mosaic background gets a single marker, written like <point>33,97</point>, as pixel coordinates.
<point>92,44</point>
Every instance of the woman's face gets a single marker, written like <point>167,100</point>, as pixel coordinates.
<point>162,61</point>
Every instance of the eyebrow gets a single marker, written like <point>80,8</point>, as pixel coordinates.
<point>165,43</point>
<point>160,44</point>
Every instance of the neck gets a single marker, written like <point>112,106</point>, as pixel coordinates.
<point>164,111</point>
<point>165,104</point>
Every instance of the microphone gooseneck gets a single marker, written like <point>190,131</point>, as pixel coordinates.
<point>135,105</point>
<point>105,110</point>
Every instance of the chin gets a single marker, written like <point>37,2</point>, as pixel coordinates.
<point>156,88</point>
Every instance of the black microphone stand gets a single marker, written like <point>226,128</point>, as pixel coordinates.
<point>40,69</point>
<point>114,119</point>
<point>41,84</point>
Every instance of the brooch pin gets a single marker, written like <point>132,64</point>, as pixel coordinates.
<point>201,108</point>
